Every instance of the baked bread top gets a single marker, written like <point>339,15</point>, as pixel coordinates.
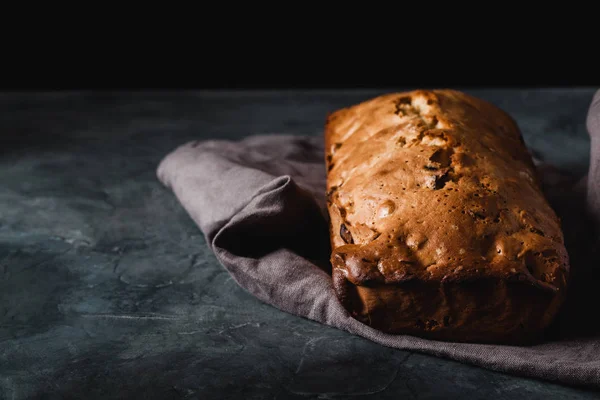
<point>437,185</point>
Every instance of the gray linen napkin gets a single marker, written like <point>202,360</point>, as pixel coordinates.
<point>260,204</point>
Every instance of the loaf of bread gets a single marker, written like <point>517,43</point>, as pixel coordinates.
<point>438,224</point>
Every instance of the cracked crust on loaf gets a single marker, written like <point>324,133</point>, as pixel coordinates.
<point>438,224</point>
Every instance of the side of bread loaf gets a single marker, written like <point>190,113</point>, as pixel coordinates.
<point>439,227</point>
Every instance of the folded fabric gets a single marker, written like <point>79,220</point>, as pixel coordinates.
<point>260,204</point>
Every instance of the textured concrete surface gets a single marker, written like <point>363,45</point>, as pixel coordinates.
<point>108,290</point>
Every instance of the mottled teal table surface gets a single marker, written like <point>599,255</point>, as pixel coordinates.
<point>108,289</point>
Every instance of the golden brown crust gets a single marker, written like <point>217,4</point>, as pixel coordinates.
<point>439,227</point>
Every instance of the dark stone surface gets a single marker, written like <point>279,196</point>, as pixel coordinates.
<point>108,289</point>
